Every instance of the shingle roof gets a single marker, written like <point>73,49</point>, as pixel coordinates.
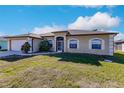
<point>25,35</point>
<point>88,32</point>
<point>69,32</point>
<point>2,38</point>
<point>79,32</point>
<point>119,41</point>
<point>47,34</point>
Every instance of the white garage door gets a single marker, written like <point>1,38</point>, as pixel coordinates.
<point>17,44</point>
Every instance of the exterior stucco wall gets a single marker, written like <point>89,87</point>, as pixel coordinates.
<point>84,44</point>
<point>118,47</point>
<point>36,43</point>
<point>29,40</point>
<point>111,44</point>
<point>123,47</point>
<point>60,34</point>
<point>26,39</point>
<point>12,39</point>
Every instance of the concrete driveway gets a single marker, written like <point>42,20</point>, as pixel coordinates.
<point>8,53</point>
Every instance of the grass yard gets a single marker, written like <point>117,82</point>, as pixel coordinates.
<point>62,70</point>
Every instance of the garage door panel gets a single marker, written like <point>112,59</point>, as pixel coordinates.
<point>17,44</point>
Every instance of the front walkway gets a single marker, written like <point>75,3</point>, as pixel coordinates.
<point>8,53</point>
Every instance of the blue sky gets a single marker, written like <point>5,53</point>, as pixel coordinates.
<point>24,19</point>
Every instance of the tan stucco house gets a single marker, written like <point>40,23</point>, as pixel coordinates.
<point>119,45</point>
<point>71,41</point>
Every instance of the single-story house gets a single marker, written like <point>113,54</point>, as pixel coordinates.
<point>3,43</point>
<point>71,41</point>
<point>119,45</point>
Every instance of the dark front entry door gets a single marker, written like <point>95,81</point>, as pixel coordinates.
<point>60,46</point>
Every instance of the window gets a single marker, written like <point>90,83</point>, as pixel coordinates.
<point>73,44</point>
<point>50,42</point>
<point>96,44</point>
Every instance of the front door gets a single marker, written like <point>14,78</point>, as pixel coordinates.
<point>60,44</point>
<point>60,47</point>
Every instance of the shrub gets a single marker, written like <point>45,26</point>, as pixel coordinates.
<point>26,47</point>
<point>44,45</point>
<point>0,47</point>
<point>3,49</point>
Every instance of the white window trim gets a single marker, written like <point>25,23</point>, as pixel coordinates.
<point>90,44</point>
<point>73,39</point>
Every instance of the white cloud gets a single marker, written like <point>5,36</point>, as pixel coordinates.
<point>102,21</point>
<point>98,6</point>
<point>93,6</point>
<point>111,6</point>
<point>46,29</point>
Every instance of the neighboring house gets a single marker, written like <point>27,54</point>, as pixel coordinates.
<point>72,41</point>
<point>3,43</point>
<point>119,45</point>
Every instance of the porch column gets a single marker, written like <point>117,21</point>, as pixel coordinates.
<point>9,45</point>
<point>55,43</point>
<point>65,43</point>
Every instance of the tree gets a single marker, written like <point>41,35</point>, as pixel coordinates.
<point>26,47</point>
<point>44,45</point>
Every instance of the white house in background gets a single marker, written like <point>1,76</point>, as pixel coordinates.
<point>119,45</point>
<point>71,41</point>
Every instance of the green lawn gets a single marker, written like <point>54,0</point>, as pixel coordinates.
<point>62,70</point>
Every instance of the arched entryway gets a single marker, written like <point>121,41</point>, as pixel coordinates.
<point>60,44</point>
